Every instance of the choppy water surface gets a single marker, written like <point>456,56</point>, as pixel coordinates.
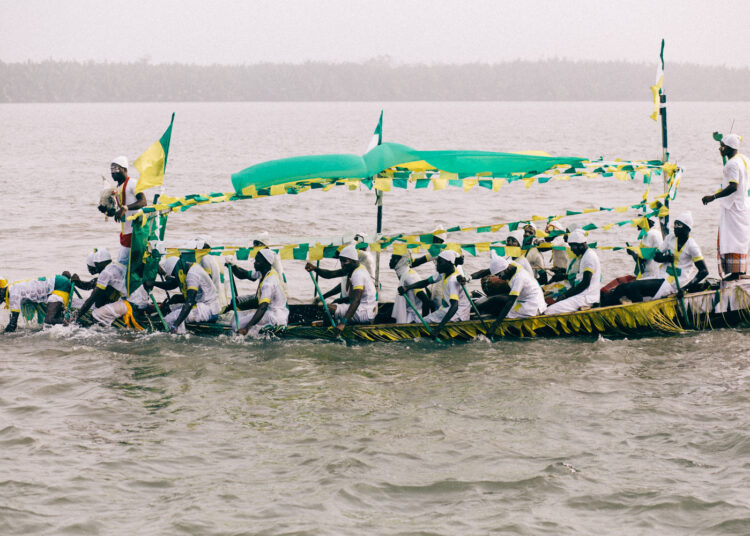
<point>112,433</point>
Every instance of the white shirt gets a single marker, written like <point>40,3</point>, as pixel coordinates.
<point>360,279</point>
<point>271,291</point>
<point>525,287</point>
<point>197,279</point>
<point>685,259</point>
<point>651,268</point>
<point>589,262</point>
<point>127,199</point>
<point>113,275</point>
<point>521,261</point>
<point>401,310</point>
<point>36,291</point>
<point>736,170</point>
<point>452,291</point>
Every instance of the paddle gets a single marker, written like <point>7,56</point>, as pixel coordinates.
<point>234,298</point>
<point>70,300</point>
<point>323,300</point>
<point>473,306</point>
<point>413,308</point>
<point>158,311</point>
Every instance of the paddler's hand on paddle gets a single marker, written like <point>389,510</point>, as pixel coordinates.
<point>309,267</point>
<point>462,279</point>
<point>243,332</point>
<point>708,198</point>
<point>402,290</point>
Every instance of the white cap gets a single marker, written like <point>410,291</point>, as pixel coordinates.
<point>121,161</point>
<point>359,237</point>
<point>686,218</point>
<point>556,224</point>
<point>201,240</point>
<point>530,224</point>
<point>448,255</point>
<point>349,252</point>
<point>731,140</point>
<point>168,263</point>
<point>268,254</point>
<point>498,264</point>
<point>98,255</point>
<point>577,237</point>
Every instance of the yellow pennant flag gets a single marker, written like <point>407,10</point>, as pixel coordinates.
<point>152,164</point>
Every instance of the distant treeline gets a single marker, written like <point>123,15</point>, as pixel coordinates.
<point>374,80</point>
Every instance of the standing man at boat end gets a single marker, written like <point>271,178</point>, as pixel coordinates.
<point>734,213</point>
<point>128,202</point>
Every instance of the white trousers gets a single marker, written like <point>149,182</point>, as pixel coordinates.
<point>567,305</point>
<point>271,317</point>
<point>360,315</point>
<point>201,312</point>
<point>106,314</point>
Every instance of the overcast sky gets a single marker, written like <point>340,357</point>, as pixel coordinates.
<point>432,31</point>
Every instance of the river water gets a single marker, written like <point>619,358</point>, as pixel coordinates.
<point>104,432</point>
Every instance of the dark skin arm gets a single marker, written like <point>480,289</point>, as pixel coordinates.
<point>189,302</point>
<point>140,202</point>
<point>90,301</point>
<point>448,315</point>
<point>239,272</point>
<point>84,285</point>
<point>479,274</point>
<point>322,272</point>
<point>700,276</point>
<point>356,297</point>
<point>420,261</point>
<point>259,312</point>
<point>729,190</point>
<point>580,287</point>
<point>169,283</point>
<point>424,283</point>
<point>502,314</point>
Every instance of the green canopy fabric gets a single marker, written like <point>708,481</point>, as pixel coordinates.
<point>386,156</point>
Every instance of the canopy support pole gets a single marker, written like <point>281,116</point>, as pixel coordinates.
<point>378,230</point>
<point>664,157</point>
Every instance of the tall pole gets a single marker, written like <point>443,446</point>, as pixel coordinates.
<point>378,230</point>
<point>377,139</point>
<point>664,153</point>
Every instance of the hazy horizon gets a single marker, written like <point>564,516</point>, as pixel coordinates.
<point>226,32</point>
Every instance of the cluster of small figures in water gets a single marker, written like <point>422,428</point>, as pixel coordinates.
<point>513,287</point>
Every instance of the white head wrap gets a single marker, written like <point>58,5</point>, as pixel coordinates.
<point>262,237</point>
<point>98,255</point>
<point>557,225</point>
<point>686,218</point>
<point>268,254</point>
<point>359,237</point>
<point>448,255</point>
<point>577,237</point>
<point>518,235</point>
<point>202,240</point>
<point>530,224</point>
<point>121,161</point>
<point>349,252</point>
<point>733,141</point>
<point>498,264</point>
<point>168,263</point>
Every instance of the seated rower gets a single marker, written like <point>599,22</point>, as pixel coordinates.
<point>525,298</point>
<point>270,301</point>
<point>455,305</point>
<point>646,269</point>
<point>262,240</point>
<point>402,312</point>
<point>559,256</point>
<point>360,290</point>
<point>211,264</point>
<point>536,261</point>
<point>586,278</point>
<point>436,291</point>
<point>111,288</point>
<point>514,240</point>
<point>52,291</point>
<point>200,302</point>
